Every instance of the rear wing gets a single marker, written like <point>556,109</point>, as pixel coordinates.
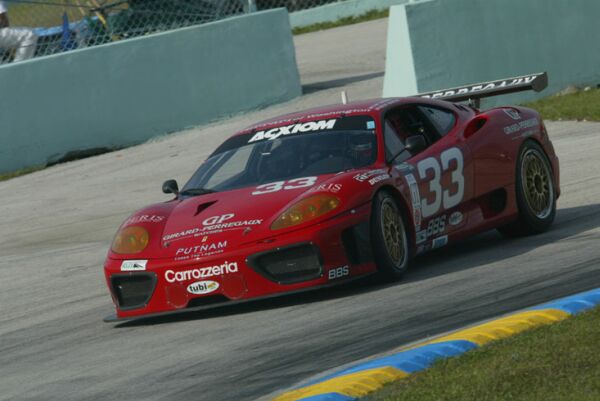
<point>474,93</point>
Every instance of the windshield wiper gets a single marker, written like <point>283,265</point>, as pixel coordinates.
<point>196,191</point>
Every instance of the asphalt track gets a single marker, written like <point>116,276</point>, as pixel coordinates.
<point>56,225</point>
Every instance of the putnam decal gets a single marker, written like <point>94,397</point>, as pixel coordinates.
<point>202,250</point>
<point>203,287</point>
<point>201,272</point>
<point>133,265</point>
<point>293,129</point>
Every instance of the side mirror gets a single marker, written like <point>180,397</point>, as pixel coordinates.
<point>415,143</point>
<point>170,187</point>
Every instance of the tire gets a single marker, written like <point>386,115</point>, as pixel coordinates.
<point>536,195</point>
<point>389,238</point>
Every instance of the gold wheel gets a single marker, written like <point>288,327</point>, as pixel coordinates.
<point>537,183</point>
<point>394,235</point>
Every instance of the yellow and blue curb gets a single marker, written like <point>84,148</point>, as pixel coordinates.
<point>357,381</point>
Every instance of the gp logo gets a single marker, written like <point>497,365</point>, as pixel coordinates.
<point>211,221</point>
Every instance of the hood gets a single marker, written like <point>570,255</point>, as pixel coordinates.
<point>208,224</point>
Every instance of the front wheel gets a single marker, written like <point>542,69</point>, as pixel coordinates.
<point>388,233</point>
<point>536,196</point>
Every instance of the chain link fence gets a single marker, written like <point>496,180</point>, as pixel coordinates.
<point>62,25</point>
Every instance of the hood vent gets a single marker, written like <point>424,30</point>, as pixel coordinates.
<point>203,206</point>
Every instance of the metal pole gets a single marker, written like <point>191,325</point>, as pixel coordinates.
<point>250,6</point>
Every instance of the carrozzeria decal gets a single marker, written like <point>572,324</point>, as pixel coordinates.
<point>201,272</point>
<point>292,129</point>
<point>357,381</point>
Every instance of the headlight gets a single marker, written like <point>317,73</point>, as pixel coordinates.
<point>305,210</point>
<point>130,240</point>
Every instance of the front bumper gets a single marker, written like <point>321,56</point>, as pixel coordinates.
<point>332,251</point>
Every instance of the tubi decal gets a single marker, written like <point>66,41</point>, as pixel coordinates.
<point>203,287</point>
<point>133,265</point>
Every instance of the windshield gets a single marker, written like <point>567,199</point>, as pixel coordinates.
<point>288,152</point>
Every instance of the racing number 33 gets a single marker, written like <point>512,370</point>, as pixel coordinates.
<point>279,185</point>
<point>442,196</point>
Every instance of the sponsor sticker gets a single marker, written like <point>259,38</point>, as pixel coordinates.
<point>339,272</point>
<point>482,87</point>
<point>203,287</point>
<point>516,127</point>
<point>144,218</point>
<point>439,242</point>
<point>212,225</point>
<point>415,198</point>
<point>201,250</point>
<point>293,129</point>
<point>201,272</point>
<point>379,178</point>
<point>362,177</point>
<point>333,188</point>
<point>455,218</point>
<point>133,265</point>
<point>370,124</point>
<point>512,113</point>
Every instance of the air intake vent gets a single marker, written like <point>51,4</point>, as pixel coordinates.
<point>133,291</point>
<point>289,265</point>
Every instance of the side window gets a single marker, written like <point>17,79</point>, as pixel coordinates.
<point>393,143</point>
<point>442,120</point>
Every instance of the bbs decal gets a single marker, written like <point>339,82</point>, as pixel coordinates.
<point>445,198</point>
<point>339,272</point>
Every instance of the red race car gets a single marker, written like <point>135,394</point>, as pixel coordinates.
<point>323,196</point>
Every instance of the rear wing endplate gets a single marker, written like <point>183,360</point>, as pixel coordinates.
<point>474,93</point>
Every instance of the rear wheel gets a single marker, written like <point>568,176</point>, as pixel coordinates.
<point>536,196</point>
<point>389,239</point>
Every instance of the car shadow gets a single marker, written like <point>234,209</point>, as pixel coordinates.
<point>464,255</point>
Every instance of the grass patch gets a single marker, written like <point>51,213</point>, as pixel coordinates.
<point>18,173</point>
<point>581,105</point>
<point>550,363</point>
<point>368,16</point>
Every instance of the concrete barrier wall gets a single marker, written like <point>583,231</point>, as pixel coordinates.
<point>335,11</point>
<point>444,43</point>
<point>127,92</point>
